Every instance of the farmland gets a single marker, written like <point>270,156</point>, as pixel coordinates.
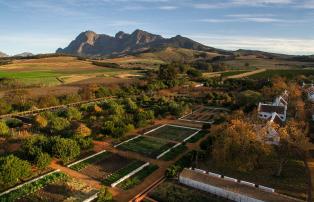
<point>205,114</point>
<point>292,73</point>
<point>56,70</point>
<point>147,146</point>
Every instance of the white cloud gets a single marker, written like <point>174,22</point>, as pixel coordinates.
<point>278,45</point>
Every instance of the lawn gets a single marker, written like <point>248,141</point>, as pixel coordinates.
<point>293,181</point>
<point>147,146</point>
<point>232,73</point>
<point>138,178</point>
<point>172,191</point>
<point>174,133</point>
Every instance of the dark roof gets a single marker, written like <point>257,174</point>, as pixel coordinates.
<point>235,187</point>
<point>275,119</point>
<point>271,109</point>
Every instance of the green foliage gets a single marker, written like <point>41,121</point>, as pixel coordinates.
<point>130,105</point>
<point>4,129</point>
<point>32,187</point>
<point>65,149</point>
<point>5,107</point>
<point>194,73</point>
<point>12,170</point>
<point>173,171</point>
<point>167,72</point>
<point>83,164</point>
<point>106,64</point>
<point>14,123</point>
<point>122,172</point>
<point>198,136</point>
<point>174,153</point>
<point>58,124</point>
<point>249,98</point>
<point>104,195</point>
<point>73,113</point>
<point>40,121</point>
<point>82,131</point>
<point>138,177</point>
<point>42,160</point>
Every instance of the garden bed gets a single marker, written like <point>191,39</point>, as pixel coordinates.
<point>138,178</point>
<point>173,132</point>
<point>173,153</point>
<point>147,146</point>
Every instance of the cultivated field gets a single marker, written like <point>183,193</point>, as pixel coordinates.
<point>57,70</point>
<point>290,74</point>
<point>203,114</point>
<point>173,132</point>
<point>147,146</point>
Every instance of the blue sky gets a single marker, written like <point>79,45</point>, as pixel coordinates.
<point>41,26</point>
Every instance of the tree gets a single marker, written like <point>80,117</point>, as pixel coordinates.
<point>4,129</point>
<point>238,145</point>
<point>248,98</point>
<point>131,106</point>
<point>40,121</point>
<point>42,160</point>
<point>58,124</point>
<point>172,171</point>
<point>65,149</point>
<point>48,101</point>
<point>167,72</point>
<point>5,107</point>
<point>104,195</point>
<point>82,131</point>
<point>194,73</point>
<point>12,170</point>
<point>73,114</point>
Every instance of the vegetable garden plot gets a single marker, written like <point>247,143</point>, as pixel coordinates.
<point>147,146</point>
<point>101,168</point>
<point>204,115</point>
<point>173,132</point>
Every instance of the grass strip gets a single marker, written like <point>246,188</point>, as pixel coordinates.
<point>32,187</point>
<point>174,153</point>
<point>84,164</point>
<point>122,172</point>
<point>137,178</point>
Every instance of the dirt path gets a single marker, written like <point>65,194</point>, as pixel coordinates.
<point>246,74</point>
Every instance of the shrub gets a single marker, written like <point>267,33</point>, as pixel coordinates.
<point>104,195</point>
<point>4,129</point>
<point>40,121</point>
<point>73,114</point>
<point>65,149</point>
<point>13,169</point>
<point>82,131</point>
<point>42,160</point>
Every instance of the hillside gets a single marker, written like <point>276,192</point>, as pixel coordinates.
<point>90,43</point>
<point>3,54</point>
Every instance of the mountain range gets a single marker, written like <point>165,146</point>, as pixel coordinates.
<point>90,43</point>
<point>3,55</point>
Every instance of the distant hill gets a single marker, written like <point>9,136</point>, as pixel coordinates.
<point>24,54</point>
<point>3,55</point>
<point>91,44</point>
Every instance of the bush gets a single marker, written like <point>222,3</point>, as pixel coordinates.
<point>82,131</point>
<point>42,160</point>
<point>104,195</point>
<point>65,149</point>
<point>14,123</point>
<point>12,170</point>
<point>73,114</point>
<point>4,129</point>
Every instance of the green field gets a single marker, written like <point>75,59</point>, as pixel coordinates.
<point>232,73</point>
<point>172,133</point>
<point>150,147</point>
<point>56,70</point>
<point>289,73</point>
